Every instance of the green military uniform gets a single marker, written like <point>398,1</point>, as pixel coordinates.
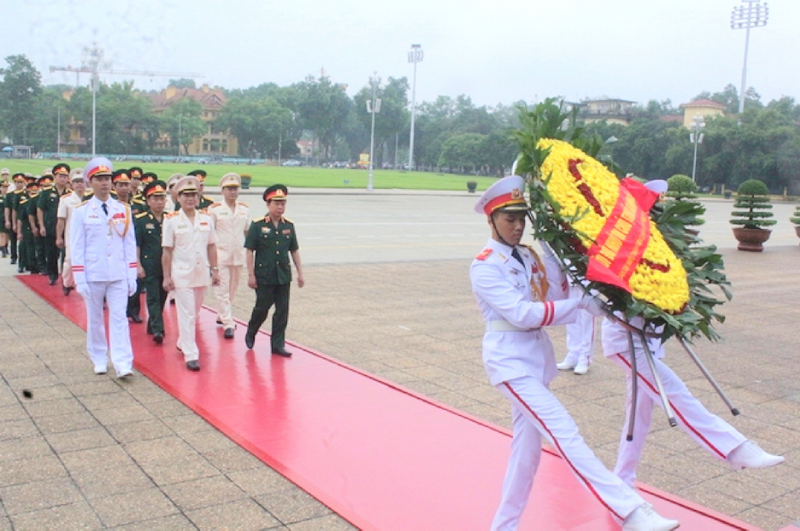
<point>27,259</point>
<point>3,229</point>
<point>204,202</point>
<point>12,200</point>
<point>272,244</point>
<point>148,240</point>
<point>138,206</point>
<point>48,203</point>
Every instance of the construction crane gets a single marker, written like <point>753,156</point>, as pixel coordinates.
<point>95,66</point>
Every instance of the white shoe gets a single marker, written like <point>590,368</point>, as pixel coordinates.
<point>125,373</point>
<point>565,365</point>
<point>100,369</point>
<point>644,518</point>
<point>750,455</point>
<point>581,368</point>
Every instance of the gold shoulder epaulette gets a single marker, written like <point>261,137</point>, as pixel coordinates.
<point>140,215</point>
<point>287,220</point>
<point>208,198</point>
<point>82,203</point>
<point>259,219</point>
<point>139,201</point>
<point>243,204</point>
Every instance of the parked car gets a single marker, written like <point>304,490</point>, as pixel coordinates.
<point>292,162</point>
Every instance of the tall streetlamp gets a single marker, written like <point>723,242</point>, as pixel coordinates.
<point>697,138</point>
<point>752,15</point>
<point>414,56</point>
<point>373,107</point>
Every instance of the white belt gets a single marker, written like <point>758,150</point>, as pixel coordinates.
<point>501,325</point>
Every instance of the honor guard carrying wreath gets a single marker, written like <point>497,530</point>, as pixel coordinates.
<point>270,240</point>
<point>231,221</point>
<point>103,254</point>
<point>519,294</point>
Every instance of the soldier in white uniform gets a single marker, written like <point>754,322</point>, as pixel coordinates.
<point>66,205</point>
<point>231,221</point>
<point>719,438</point>
<point>580,340</point>
<point>519,294</point>
<point>103,254</point>
<point>189,261</point>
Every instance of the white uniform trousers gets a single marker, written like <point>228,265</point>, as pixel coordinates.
<point>580,335</point>
<point>710,431</point>
<point>538,413</point>
<point>225,291</point>
<point>66,270</point>
<point>118,346</point>
<point>188,302</point>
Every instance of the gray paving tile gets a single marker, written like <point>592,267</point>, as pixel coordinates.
<point>31,469</point>
<point>77,515</point>
<point>241,514</point>
<point>204,492</point>
<point>133,507</point>
<point>37,495</point>
<point>293,505</point>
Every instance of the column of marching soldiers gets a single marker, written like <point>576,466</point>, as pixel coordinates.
<point>35,215</point>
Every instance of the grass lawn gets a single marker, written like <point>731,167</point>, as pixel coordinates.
<point>300,176</point>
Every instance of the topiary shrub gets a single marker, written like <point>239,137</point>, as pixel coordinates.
<point>681,187</point>
<point>753,197</point>
<point>796,217</point>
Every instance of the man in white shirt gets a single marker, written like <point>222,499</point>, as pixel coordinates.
<point>66,205</point>
<point>231,221</point>
<point>103,255</point>
<point>189,260</point>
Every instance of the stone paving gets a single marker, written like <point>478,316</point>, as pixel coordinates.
<point>92,452</point>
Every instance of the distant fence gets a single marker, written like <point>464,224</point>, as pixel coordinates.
<point>150,158</point>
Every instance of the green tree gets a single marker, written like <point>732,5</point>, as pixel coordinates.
<point>462,151</point>
<point>183,122</point>
<point>182,83</point>
<point>322,107</point>
<point>391,120</point>
<point>19,90</point>
<point>260,125</point>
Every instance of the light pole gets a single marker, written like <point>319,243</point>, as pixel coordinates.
<point>58,136</point>
<point>373,107</point>
<point>414,56</point>
<point>697,137</point>
<point>752,15</point>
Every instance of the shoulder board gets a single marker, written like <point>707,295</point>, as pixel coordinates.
<point>138,201</point>
<point>287,220</point>
<point>244,204</point>
<point>484,254</point>
<point>141,215</point>
<point>264,219</point>
<point>215,204</point>
<point>171,214</point>
<point>23,200</point>
<point>208,198</point>
<point>82,203</point>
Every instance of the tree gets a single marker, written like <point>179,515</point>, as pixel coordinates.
<point>260,125</point>
<point>322,108</point>
<point>182,83</point>
<point>394,116</point>
<point>183,123</point>
<point>462,151</point>
<point>19,90</point>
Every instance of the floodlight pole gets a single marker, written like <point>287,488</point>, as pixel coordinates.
<point>414,56</point>
<point>373,107</point>
<point>697,138</point>
<point>753,15</point>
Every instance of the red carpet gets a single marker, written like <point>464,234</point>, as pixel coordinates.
<point>380,456</point>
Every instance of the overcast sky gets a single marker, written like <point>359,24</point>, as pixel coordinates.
<point>496,51</point>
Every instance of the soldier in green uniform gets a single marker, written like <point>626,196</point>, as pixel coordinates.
<point>47,217</point>
<point>25,215</point>
<point>10,209</point>
<point>147,178</point>
<point>269,242</point>
<point>37,225</point>
<point>148,251</point>
<point>4,232</point>
<point>205,201</point>
<point>136,183</point>
<point>121,182</point>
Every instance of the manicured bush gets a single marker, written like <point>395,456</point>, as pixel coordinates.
<point>681,186</point>
<point>753,198</point>
<point>796,217</point>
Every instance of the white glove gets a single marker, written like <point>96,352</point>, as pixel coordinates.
<point>83,289</point>
<point>592,305</point>
<point>131,287</point>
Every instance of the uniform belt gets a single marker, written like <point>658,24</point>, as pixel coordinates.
<point>501,325</point>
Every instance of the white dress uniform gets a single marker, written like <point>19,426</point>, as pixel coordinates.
<point>517,301</point>
<point>66,205</point>
<point>707,429</point>
<point>191,273</point>
<point>103,257</point>
<point>580,338</point>
<point>231,225</point>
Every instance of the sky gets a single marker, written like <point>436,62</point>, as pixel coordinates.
<point>495,52</point>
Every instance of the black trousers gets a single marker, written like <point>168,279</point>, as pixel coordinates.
<point>51,255</point>
<point>12,241</point>
<point>156,297</point>
<point>41,258</point>
<point>135,300</point>
<point>266,296</point>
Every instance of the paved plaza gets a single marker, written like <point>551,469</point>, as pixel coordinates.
<point>387,290</point>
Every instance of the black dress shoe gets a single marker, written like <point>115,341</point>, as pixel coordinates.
<point>282,352</point>
<point>13,261</point>
<point>135,318</point>
<point>193,365</point>
<point>158,338</point>
<point>52,281</point>
<point>228,333</point>
<point>219,322</point>
<point>66,290</point>
<point>249,340</point>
